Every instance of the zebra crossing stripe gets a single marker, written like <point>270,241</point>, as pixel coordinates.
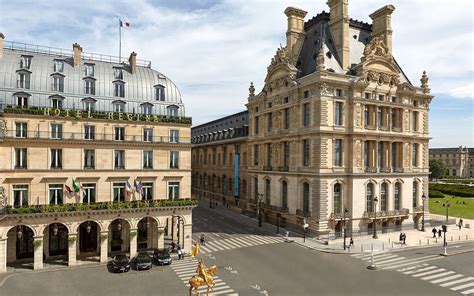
<point>226,245</point>
<point>468,292</point>
<point>210,248</point>
<point>420,270</point>
<point>242,241</point>
<point>456,282</point>
<point>446,279</point>
<point>412,267</point>
<point>376,256</point>
<point>437,275</point>
<point>428,272</point>
<point>411,261</point>
<point>462,287</point>
<point>256,240</point>
<point>388,259</point>
<point>223,292</point>
<point>236,245</point>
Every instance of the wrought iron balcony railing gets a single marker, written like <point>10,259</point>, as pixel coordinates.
<point>302,213</point>
<point>274,208</point>
<point>386,214</point>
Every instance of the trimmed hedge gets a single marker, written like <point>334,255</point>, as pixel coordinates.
<point>457,190</point>
<point>100,206</point>
<point>436,194</point>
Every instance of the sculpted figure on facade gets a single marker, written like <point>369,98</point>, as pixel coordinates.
<point>320,60</point>
<point>358,115</point>
<point>358,154</point>
<point>424,83</point>
<point>407,155</point>
<point>406,121</point>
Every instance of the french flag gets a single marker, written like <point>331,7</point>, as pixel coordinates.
<point>124,23</point>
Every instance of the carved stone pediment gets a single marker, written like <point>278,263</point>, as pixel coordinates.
<point>281,71</point>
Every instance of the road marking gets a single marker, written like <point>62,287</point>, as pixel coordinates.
<point>389,260</point>
<point>428,272</point>
<point>420,270</point>
<point>437,275</point>
<point>462,287</point>
<point>446,279</point>
<point>468,292</point>
<point>413,261</point>
<point>412,267</point>
<point>456,282</point>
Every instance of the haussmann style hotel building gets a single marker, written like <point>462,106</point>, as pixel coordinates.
<point>338,132</point>
<point>95,156</point>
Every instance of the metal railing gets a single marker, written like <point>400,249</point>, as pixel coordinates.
<point>302,213</point>
<point>370,231</point>
<point>385,214</point>
<point>274,208</point>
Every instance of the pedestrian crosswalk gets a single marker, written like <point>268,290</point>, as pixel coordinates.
<point>239,242</point>
<point>185,269</point>
<point>418,268</point>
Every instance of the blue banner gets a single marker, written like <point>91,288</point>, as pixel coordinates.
<point>236,174</point>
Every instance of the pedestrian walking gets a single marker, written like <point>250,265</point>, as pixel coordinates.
<point>287,234</point>
<point>351,242</point>
<point>460,224</point>
<point>400,238</point>
<point>439,233</point>
<point>203,241</point>
<point>404,238</point>
<point>180,253</point>
<point>434,232</point>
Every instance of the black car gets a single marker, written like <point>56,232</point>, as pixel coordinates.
<point>162,257</point>
<point>120,263</point>
<point>143,261</point>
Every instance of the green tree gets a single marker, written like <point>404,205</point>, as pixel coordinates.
<point>437,169</point>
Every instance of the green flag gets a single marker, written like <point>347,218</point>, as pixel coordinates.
<point>75,186</point>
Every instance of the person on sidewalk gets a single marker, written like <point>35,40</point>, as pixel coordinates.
<point>203,241</point>
<point>439,233</point>
<point>404,238</point>
<point>400,238</point>
<point>434,232</point>
<point>287,234</point>
<point>351,242</point>
<point>460,224</point>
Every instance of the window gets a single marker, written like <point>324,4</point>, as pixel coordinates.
<point>367,95</point>
<point>57,103</point>
<point>393,113</point>
<point>305,197</point>
<point>394,99</point>
<point>21,129</point>
<point>255,155</point>
<point>338,92</point>
<point>381,97</point>
<point>284,194</point>
<point>89,132</point>
<point>174,159</point>
<point>369,197</point>
<point>173,190</point>
<point>415,194</point>
<point>255,189</point>
<point>267,191</point>
<point>379,154</point>
<point>119,159</point>
<point>89,70</point>
<point>224,155</point>
<point>286,119</point>
<point>396,196</point>
<point>366,116</point>
<point>415,121</point>
<point>337,198</point>
<point>306,152</point>
<point>56,158</point>
<point>22,102</point>
<point>20,196</point>
<point>338,114</point>
<point>58,66</point>
<point>20,158</point>
<point>173,111</point>
<point>23,80</point>
<point>379,117</point>
<point>25,62</point>
<point>306,114</point>
<point>147,109</point>
<point>269,155</point>
<point>56,194</point>
<point>89,105</point>
<point>147,190</point>
<point>394,155</point>
<point>306,94</point>
<point>119,106</point>
<point>147,135</point>
<point>119,191</point>
<point>88,193</point>
<point>383,197</point>
<point>58,83</point>
<point>286,154</point>
<point>148,159</point>
<point>119,133</point>
<point>174,136</point>
<point>414,155</point>
<point>89,159</point>
<point>269,122</point>
<point>160,93</point>
<point>56,131</point>
<point>89,86</point>
<point>338,152</point>
<point>118,74</point>
<point>366,154</point>
<point>119,89</point>
<point>257,125</point>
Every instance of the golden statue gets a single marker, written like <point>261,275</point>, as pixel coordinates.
<point>203,277</point>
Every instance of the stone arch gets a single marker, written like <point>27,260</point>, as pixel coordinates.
<point>34,229</point>
<point>55,238</point>
<point>371,180</point>
<point>100,224</point>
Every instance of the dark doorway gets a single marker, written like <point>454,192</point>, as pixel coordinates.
<point>88,237</point>
<point>142,239</point>
<point>58,240</point>
<point>117,241</point>
<point>24,242</point>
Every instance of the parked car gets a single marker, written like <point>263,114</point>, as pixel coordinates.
<point>121,263</point>
<point>143,261</point>
<point>162,257</point>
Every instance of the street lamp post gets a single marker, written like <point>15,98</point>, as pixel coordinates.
<point>447,205</point>
<point>260,199</point>
<point>445,229</point>
<point>278,222</point>
<point>375,218</point>
<point>423,198</point>
<point>346,212</point>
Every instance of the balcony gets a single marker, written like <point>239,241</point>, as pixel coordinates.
<point>418,209</point>
<point>339,216</point>
<point>303,213</point>
<point>284,168</point>
<point>386,170</point>
<point>273,208</point>
<point>370,169</point>
<point>386,214</point>
<point>398,170</point>
<point>396,129</point>
<point>267,168</point>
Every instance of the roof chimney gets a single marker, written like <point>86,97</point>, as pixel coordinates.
<point>339,27</point>
<point>77,53</point>
<point>382,24</point>
<point>295,33</point>
<point>133,62</point>
<point>1,44</point>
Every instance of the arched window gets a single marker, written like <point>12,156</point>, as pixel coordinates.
<point>383,196</point>
<point>415,193</point>
<point>160,93</point>
<point>172,111</point>
<point>89,104</point>
<point>147,108</point>
<point>305,197</point>
<point>396,196</point>
<point>369,197</point>
<point>337,198</point>
<point>267,191</point>
<point>119,106</point>
<point>284,194</point>
<point>231,183</point>
<point>119,89</point>
<point>224,185</point>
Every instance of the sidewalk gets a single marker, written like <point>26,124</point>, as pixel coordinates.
<point>385,241</point>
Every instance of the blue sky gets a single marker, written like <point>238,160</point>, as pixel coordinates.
<point>213,49</point>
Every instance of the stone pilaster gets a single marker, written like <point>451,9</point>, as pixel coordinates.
<point>3,255</point>
<point>161,238</point>
<point>38,253</point>
<point>187,237</point>
<point>174,223</point>
<point>319,207</point>
<point>72,245</point>
<point>133,242</point>
<point>104,246</point>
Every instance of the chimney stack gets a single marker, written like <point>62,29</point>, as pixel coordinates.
<point>382,24</point>
<point>1,44</point>
<point>77,53</point>
<point>339,27</point>
<point>295,33</point>
<point>133,62</point>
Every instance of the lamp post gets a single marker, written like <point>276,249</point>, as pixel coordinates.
<point>346,212</point>
<point>278,223</point>
<point>260,199</point>
<point>376,200</point>
<point>423,198</point>
<point>447,205</point>
<point>445,229</point>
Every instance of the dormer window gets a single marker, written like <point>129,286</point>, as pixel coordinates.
<point>89,86</point>
<point>147,108</point>
<point>160,92</point>
<point>338,92</point>
<point>89,104</point>
<point>119,106</point>
<point>22,100</point>
<point>58,66</point>
<point>89,70</point>
<point>57,102</point>
<point>23,80</point>
<point>25,62</point>
<point>58,83</point>
<point>119,89</point>
<point>118,74</point>
<point>173,111</point>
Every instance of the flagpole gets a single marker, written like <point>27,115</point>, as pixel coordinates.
<point>120,41</point>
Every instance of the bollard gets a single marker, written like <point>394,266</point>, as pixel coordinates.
<point>466,237</point>
<point>372,248</point>
<point>427,241</point>
<point>392,245</point>
<point>420,242</point>
<point>451,238</point>
<point>388,240</point>
<point>459,237</point>
<point>383,246</point>
<point>436,240</point>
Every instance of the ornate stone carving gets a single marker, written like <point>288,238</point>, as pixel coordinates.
<point>281,57</point>
<point>407,155</point>
<point>358,153</point>
<point>406,121</point>
<point>358,116</point>
<point>3,199</point>
<point>424,83</point>
<point>281,71</point>
<point>3,127</point>
<point>251,90</point>
<point>320,60</point>
<point>376,47</point>
<point>325,90</point>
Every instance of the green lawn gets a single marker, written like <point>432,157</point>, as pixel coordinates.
<point>455,210</point>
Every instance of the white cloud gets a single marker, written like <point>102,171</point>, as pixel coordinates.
<point>465,92</point>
